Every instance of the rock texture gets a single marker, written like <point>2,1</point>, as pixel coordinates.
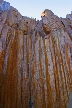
<point>35,59</point>
<point>4,5</point>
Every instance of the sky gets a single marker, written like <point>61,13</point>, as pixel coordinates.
<point>34,8</point>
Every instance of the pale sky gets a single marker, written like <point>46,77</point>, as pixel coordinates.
<point>34,8</point>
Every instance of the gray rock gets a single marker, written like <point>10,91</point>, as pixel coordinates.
<point>51,20</point>
<point>69,16</point>
<point>4,6</point>
<point>70,101</point>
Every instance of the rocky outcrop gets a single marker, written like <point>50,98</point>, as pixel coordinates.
<point>67,22</point>
<point>4,6</point>
<point>35,60</point>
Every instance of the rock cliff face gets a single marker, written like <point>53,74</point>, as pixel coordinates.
<point>35,59</point>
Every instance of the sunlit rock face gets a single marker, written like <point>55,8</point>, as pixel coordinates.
<point>35,60</point>
<point>51,20</point>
